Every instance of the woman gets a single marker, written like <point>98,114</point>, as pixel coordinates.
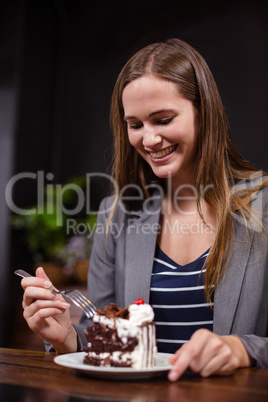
<point>185,230</point>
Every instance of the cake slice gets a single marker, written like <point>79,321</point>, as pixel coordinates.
<point>122,337</point>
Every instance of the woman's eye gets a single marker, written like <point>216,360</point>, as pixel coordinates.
<point>165,121</point>
<point>134,126</point>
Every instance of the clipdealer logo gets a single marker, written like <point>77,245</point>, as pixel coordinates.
<point>83,195</point>
<point>45,203</point>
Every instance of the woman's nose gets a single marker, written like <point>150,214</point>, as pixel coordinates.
<point>151,138</point>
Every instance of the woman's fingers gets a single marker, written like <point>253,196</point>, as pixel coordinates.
<point>189,354</point>
<point>219,365</point>
<point>47,313</point>
<point>45,308</point>
<point>41,280</point>
<point>34,281</point>
<point>49,319</point>
<point>33,293</point>
<point>40,273</point>
<point>205,353</point>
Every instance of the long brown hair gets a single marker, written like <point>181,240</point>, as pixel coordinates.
<point>218,165</point>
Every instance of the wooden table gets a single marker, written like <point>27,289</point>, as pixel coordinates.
<point>33,376</point>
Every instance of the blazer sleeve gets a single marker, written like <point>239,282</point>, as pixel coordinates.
<point>257,344</point>
<point>101,273</point>
<point>257,348</point>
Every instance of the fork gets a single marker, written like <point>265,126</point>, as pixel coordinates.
<point>74,295</point>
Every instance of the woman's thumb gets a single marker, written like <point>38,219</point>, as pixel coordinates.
<point>40,273</point>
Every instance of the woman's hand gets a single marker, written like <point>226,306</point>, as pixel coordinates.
<point>47,313</point>
<point>207,353</point>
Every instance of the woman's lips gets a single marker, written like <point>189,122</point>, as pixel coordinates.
<point>161,155</point>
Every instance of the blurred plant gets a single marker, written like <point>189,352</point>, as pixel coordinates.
<point>45,239</point>
<point>77,248</point>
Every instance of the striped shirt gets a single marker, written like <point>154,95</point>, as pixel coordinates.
<point>178,299</point>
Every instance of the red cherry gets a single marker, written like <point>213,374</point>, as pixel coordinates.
<point>139,301</point>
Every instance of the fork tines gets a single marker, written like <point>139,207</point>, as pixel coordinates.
<point>81,301</point>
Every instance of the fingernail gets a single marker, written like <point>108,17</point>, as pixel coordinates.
<point>67,305</point>
<point>173,375</point>
<point>47,284</point>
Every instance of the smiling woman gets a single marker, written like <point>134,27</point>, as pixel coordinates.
<point>193,227</point>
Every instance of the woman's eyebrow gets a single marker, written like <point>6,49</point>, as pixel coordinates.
<point>162,111</point>
<point>152,114</point>
<point>129,117</point>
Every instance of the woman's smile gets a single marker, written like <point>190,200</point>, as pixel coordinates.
<point>161,156</point>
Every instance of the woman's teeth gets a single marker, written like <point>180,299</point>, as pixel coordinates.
<point>164,152</point>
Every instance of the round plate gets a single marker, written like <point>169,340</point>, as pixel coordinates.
<point>75,361</point>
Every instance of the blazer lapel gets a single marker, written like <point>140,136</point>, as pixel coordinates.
<point>140,248</point>
<point>228,290</point>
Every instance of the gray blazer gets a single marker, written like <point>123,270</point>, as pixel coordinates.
<point>121,266</point>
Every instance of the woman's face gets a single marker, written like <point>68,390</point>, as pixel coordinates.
<point>162,126</point>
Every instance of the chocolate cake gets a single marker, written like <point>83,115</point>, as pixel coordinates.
<point>122,337</point>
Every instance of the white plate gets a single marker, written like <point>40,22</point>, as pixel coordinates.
<point>75,361</point>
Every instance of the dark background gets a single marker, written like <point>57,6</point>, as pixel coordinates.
<point>58,63</point>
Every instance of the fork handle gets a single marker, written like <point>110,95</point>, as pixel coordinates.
<point>22,273</point>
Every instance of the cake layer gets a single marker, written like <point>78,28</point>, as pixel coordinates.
<point>136,352</point>
<point>105,339</point>
<point>113,359</point>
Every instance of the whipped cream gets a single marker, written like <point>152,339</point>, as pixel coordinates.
<point>140,314</point>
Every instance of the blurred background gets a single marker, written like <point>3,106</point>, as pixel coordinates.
<point>59,60</point>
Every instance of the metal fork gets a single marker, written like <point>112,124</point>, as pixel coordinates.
<point>74,295</point>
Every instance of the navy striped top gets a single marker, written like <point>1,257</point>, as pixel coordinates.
<point>178,299</point>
